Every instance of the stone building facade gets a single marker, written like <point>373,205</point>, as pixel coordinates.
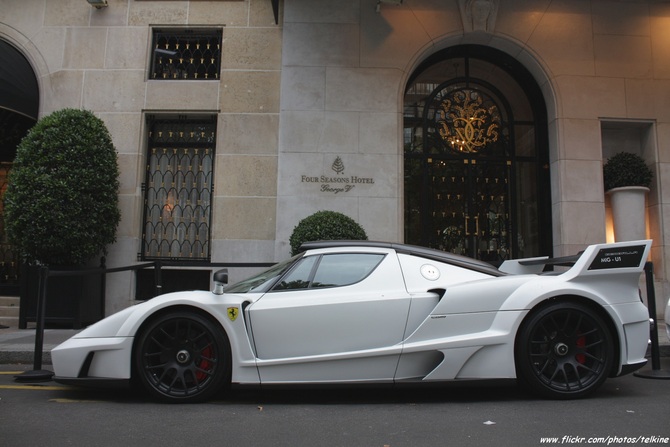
<point>322,105</point>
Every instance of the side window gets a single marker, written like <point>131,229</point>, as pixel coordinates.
<point>298,277</point>
<point>344,269</point>
<point>331,271</point>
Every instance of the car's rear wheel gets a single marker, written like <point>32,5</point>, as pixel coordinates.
<point>564,351</point>
<point>182,357</point>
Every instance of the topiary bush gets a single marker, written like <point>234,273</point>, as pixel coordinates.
<point>323,226</point>
<point>626,169</point>
<point>61,205</point>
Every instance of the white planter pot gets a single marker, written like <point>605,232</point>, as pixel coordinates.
<point>629,212</point>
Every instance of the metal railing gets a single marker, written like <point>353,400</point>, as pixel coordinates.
<point>45,273</point>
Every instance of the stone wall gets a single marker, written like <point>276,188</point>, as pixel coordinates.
<point>98,59</point>
<point>310,110</point>
<point>345,70</point>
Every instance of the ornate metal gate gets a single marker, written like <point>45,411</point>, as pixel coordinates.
<point>474,172</point>
<point>178,190</point>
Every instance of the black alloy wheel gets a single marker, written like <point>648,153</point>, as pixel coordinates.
<point>564,351</point>
<point>182,357</point>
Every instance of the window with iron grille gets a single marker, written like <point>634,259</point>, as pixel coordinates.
<point>178,189</point>
<point>186,54</point>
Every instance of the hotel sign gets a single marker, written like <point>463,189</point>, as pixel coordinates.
<point>338,183</point>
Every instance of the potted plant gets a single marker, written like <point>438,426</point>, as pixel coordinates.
<point>627,179</point>
<point>325,225</point>
<point>61,210</point>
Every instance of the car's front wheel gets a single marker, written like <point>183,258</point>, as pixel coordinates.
<point>182,357</point>
<point>564,351</point>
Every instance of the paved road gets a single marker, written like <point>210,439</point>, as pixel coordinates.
<point>50,414</point>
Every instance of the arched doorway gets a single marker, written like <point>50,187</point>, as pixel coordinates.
<point>19,105</point>
<point>476,156</point>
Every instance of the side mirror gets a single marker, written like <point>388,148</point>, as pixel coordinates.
<point>220,280</point>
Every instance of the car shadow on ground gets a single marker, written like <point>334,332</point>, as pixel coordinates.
<point>360,394</point>
<point>449,392</point>
<point>456,392</point>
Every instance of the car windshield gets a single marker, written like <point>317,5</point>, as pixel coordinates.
<point>262,281</point>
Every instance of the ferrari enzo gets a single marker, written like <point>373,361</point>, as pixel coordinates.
<point>351,312</point>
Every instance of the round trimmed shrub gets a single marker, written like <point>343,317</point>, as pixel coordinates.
<point>61,205</point>
<point>325,226</point>
<point>626,169</point>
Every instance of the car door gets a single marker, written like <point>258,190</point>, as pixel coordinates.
<point>333,317</point>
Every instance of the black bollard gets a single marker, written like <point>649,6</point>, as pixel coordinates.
<point>655,372</point>
<point>37,374</point>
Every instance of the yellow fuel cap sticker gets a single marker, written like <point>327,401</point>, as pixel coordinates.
<point>430,272</point>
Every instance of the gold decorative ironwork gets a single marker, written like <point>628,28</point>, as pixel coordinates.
<point>466,123</point>
<point>177,213</point>
<point>186,54</point>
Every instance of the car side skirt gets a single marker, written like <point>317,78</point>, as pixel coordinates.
<point>93,382</point>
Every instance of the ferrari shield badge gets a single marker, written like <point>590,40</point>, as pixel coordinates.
<point>232,313</point>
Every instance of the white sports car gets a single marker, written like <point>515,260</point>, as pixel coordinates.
<point>345,312</point>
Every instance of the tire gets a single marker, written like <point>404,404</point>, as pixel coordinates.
<point>564,351</point>
<point>182,357</point>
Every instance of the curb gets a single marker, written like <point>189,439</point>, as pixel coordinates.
<point>24,357</point>
<point>664,351</point>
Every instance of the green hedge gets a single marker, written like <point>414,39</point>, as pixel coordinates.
<point>61,205</point>
<point>626,169</point>
<point>325,225</point>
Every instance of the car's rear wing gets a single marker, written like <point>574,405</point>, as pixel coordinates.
<point>630,255</point>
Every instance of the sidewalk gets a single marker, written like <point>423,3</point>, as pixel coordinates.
<point>18,345</point>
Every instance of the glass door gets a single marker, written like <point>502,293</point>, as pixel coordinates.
<point>476,169</point>
<point>470,209</point>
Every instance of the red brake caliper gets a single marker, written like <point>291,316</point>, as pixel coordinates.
<point>204,363</point>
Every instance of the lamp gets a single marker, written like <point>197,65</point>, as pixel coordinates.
<point>97,4</point>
